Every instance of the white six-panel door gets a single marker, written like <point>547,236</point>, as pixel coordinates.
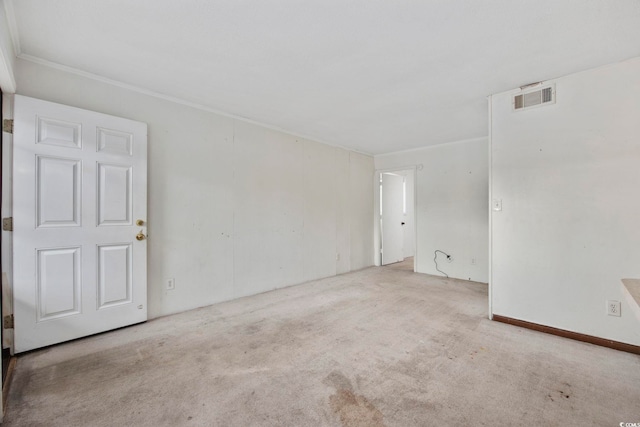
<point>392,218</point>
<point>79,188</point>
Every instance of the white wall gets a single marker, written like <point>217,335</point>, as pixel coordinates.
<point>234,208</point>
<point>452,205</point>
<point>361,215</point>
<point>7,55</point>
<point>568,175</point>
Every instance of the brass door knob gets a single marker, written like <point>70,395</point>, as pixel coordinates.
<point>139,222</point>
<point>140,236</point>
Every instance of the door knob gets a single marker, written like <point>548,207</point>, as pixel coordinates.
<point>140,236</point>
<point>139,222</point>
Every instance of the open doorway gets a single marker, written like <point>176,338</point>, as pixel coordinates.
<point>396,211</point>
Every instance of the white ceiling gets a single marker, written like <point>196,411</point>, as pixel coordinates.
<point>374,76</point>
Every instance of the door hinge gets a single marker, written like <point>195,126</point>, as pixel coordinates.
<point>7,322</point>
<point>7,125</point>
<point>7,224</point>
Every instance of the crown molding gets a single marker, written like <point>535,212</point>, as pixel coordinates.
<point>176,100</point>
<point>426,147</point>
<point>13,31</point>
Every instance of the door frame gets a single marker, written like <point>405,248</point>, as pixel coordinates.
<point>6,209</point>
<point>377,235</point>
<point>6,241</point>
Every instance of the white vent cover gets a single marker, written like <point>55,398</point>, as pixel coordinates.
<point>546,95</point>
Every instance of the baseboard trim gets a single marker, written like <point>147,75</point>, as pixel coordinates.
<point>7,382</point>
<point>616,345</point>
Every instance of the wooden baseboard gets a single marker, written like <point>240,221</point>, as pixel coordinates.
<point>7,381</point>
<point>616,345</point>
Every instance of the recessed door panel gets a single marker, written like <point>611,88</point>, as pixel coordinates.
<point>114,194</point>
<point>58,282</point>
<point>115,142</point>
<point>114,275</point>
<point>58,199</point>
<point>59,132</point>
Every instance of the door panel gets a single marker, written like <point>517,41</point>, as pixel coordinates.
<point>58,132</point>
<point>58,282</point>
<point>114,274</point>
<point>392,218</point>
<point>115,142</point>
<point>114,194</point>
<point>57,192</point>
<point>79,185</point>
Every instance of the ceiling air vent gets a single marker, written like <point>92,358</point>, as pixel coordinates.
<point>534,98</point>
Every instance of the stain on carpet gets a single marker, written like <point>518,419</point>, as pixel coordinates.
<point>353,409</point>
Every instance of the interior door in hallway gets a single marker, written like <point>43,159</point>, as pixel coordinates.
<point>391,199</point>
<point>79,220</point>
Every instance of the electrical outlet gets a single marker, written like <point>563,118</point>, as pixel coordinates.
<point>171,284</point>
<point>496,205</point>
<point>613,308</point>
<point>449,258</point>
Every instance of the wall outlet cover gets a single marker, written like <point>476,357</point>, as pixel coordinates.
<point>613,308</point>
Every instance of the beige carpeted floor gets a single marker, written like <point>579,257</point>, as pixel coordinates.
<point>382,346</point>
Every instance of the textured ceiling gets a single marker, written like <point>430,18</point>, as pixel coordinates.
<point>374,76</point>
